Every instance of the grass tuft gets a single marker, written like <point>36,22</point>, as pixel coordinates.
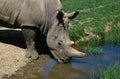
<point>112,72</point>
<point>94,51</point>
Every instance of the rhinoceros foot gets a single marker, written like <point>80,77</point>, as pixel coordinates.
<point>32,54</point>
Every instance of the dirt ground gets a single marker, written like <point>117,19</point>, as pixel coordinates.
<point>11,59</point>
<point>12,54</point>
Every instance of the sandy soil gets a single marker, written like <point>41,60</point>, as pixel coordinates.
<point>11,59</point>
<point>12,54</point>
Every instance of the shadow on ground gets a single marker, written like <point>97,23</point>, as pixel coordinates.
<point>16,38</point>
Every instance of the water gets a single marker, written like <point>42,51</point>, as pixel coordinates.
<point>80,67</point>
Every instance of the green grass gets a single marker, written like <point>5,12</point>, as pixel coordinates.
<point>112,72</point>
<point>94,51</point>
<point>90,42</point>
<point>113,35</point>
<point>95,14</point>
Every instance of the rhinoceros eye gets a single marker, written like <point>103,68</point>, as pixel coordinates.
<point>59,43</point>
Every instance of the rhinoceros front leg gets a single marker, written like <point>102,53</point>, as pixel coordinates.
<point>30,38</point>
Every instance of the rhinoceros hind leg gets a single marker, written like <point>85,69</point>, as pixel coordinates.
<point>30,38</point>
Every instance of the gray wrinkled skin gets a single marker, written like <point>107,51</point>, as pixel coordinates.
<point>46,15</point>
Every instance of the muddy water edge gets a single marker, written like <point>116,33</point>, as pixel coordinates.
<point>30,71</point>
<point>79,68</point>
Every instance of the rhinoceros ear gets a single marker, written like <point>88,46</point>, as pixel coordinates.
<point>73,14</point>
<point>60,15</point>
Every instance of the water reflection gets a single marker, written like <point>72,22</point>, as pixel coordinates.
<point>54,70</point>
<point>34,76</point>
<point>79,67</point>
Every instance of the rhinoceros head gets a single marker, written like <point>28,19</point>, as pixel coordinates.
<point>58,38</point>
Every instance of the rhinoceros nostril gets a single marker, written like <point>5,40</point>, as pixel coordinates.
<point>65,60</point>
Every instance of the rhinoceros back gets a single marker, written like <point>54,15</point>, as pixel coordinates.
<point>9,10</point>
<point>29,12</point>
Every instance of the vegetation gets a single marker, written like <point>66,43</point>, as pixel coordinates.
<point>112,72</point>
<point>113,35</point>
<point>101,15</point>
<point>94,51</point>
<point>89,48</point>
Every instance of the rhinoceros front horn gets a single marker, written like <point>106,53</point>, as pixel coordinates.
<point>75,53</point>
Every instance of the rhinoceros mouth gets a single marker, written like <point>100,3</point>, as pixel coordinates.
<point>64,56</point>
<point>64,60</point>
<point>61,57</point>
